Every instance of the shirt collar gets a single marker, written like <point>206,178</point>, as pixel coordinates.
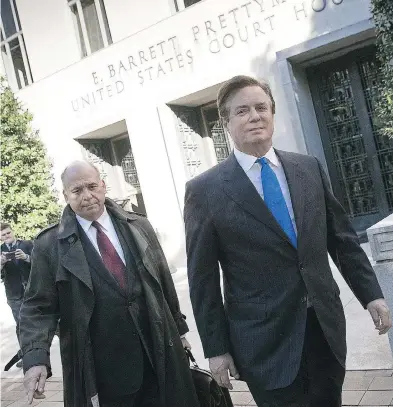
<point>103,220</point>
<point>246,161</point>
<point>272,157</point>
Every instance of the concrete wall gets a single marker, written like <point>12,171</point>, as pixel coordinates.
<point>128,17</point>
<point>49,35</point>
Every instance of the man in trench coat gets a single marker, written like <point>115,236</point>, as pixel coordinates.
<point>102,272</point>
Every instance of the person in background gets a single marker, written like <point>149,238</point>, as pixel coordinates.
<point>269,218</point>
<point>103,272</point>
<point>15,270</point>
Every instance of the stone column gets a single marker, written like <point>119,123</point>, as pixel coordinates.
<point>380,237</point>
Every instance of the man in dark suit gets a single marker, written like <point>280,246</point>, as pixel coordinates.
<point>103,272</point>
<point>15,270</point>
<point>269,219</point>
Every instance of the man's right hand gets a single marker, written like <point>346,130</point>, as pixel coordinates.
<point>219,366</point>
<point>34,382</point>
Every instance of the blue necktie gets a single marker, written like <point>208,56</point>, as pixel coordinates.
<point>274,199</point>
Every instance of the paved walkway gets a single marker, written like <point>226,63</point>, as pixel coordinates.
<point>366,350</point>
<point>361,388</point>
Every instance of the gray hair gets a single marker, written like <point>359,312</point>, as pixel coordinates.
<point>76,163</point>
<point>230,87</point>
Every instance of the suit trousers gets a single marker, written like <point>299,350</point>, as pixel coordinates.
<point>320,378</point>
<point>147,396</point>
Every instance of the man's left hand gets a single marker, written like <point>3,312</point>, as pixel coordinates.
<point>380,314</point>
<point>20,254</point>
<point>185,343</point>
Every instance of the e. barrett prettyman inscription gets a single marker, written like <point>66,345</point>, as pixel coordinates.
<point>248,22</point>
<point>147,64</point>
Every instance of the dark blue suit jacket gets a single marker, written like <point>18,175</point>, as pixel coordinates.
<point>261,319</point>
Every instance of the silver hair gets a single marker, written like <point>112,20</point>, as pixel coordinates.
<point>66,169</point>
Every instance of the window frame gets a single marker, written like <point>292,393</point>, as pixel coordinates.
<point>104,28</point>
<point>11,76</point>
<point>117,162</point>
<point>206,131</point>
<point>180,6</point>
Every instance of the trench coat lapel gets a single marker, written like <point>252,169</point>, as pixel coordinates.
<point>140,236</point>
<point>72,255</point>
<point>144,248</point>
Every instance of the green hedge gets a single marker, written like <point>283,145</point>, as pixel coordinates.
<point>383,16</point>
<point>27,200</point>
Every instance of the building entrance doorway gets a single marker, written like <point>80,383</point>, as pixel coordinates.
<point>359,157</point>
<point>115,161</point>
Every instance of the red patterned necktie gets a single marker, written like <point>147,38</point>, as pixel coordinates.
<point>110,257</point>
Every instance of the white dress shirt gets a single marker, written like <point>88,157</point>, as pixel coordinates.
<point>253,172</point>
<point>107,227</point>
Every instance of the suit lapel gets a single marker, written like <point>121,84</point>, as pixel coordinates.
<point>297,187</point>
<point>95,261</point>
<point>128,249</point>
<point>239,188</point>
<point>74,260</point>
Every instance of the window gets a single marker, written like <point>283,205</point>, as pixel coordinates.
<point>358,154</point>
<point>115,161</point>
<point>125,158</point>
<point>91,25</point>
<point>182,4</point>
<point>215,130</point>
<point>203,138</point>
<point>13,50</point>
